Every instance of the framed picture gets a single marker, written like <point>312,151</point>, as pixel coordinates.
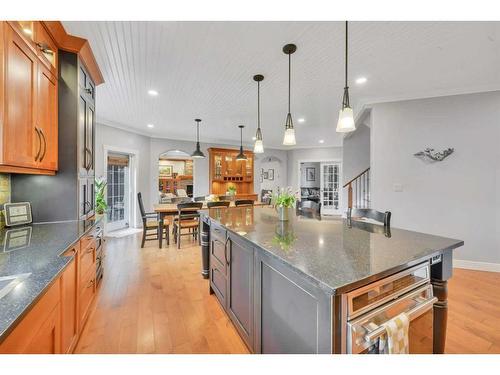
<point>265,175</point>
<point>166,170</point>
<point>17,213</point>
<point>310,174</point>
<point>270,174</point>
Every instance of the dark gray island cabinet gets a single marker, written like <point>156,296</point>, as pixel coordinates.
<point>307,286</point>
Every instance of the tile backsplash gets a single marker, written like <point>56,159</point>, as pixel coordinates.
<point>4,194</point>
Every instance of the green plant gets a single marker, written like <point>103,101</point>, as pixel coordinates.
<point>284,198</point>
<point>231,189</point>
<point>100,201</point>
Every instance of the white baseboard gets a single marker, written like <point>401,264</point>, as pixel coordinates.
<point>478,266</point>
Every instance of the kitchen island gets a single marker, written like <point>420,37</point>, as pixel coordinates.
<point>286,285</point>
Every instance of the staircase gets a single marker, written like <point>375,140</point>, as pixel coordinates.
<point>358,190</point>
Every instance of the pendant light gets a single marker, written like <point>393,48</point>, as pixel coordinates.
<point>197,154</point>
<point>259,145</point>
<point>289,138</point>
<point>346,116</point>
<point>241,155</point>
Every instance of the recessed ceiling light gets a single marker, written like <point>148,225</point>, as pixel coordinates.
<point>301,119</point>
<point>153,92</point>
<point>361,80</point>
<point>151,126</point>
<point>321,141</point>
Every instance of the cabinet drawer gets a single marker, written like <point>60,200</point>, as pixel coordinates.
<point>87,292</point>
<point>218,233</point>
<point>87,258</point>
<point>218,253</point>
<point>219,283</point>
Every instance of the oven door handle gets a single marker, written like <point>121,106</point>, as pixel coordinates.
<point>412,314</point>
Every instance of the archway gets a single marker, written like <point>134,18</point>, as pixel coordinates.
<point>175,175</point>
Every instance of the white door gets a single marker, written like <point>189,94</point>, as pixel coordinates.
<point>118,197</point>
<point>330,188</point>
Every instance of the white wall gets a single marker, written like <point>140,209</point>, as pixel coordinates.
<point>459,197</point>
<point>271,159</point>
<point>356,152</point>
<point>109,136</point>
<point>308,154</point>
<point>303,183</point>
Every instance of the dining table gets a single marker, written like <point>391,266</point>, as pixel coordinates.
<point>170,209</point>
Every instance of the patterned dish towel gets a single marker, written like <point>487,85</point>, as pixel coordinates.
<point>395,341</point>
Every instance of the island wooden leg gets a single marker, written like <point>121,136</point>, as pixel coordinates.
<point>440,288</point>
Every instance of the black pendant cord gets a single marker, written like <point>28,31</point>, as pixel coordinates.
<point>345,99</point>
<point>197,132</point>
<point>258,105</point>
<point>241,138</point>
<point>289,79</point>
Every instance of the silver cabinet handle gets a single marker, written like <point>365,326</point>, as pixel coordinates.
<point>89,164</point>
<point>225,250</point>
<point>39,144</point>
<point>412,314</point>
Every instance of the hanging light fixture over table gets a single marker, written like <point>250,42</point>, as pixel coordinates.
<point>241,155</point>
<point>289,138</point>
<point>346,115</point>
<point>259,145</point>
<point>197,154</point>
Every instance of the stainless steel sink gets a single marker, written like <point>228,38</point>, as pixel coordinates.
<point>8,283</point>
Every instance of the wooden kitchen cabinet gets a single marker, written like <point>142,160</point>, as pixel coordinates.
<point>40,330</point>
<point>28,108</point>
<point>69,302</point>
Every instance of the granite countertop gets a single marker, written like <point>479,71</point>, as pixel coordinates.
<point>34,252</point>
<point>332,253</point>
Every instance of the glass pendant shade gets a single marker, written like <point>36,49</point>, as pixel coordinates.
<point>289,138</point>
<point>197,154</point>
<point>258,148</point>
<point>346,121</point>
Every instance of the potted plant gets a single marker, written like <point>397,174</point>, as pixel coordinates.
<point>284,202</point>
<point>231,190</point>
<point>100,200</point>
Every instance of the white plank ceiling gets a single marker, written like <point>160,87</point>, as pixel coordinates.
<point>205,69</point>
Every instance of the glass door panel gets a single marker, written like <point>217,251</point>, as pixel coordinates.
<point>118,192</point>
<point>330,185</point>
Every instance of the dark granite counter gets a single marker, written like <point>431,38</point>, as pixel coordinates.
<point>331,253</point>
<point>31,255</point>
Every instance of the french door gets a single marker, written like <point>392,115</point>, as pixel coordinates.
<point>330,188</point>
<point>118,197</point>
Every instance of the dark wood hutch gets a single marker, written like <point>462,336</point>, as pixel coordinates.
<point>226,171</point>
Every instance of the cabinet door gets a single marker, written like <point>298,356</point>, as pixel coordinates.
<point>240,289</point>
<point>20,103</point>
<point>83,154</point>
<point>46,48</point>
<point>69,312</point>
<point>47,118</point>
<point>47,340</point>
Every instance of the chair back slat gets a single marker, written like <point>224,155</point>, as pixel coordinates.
<point>381,217</point>
<point>188,210</point>
<point>141,205</point>
<point>218,204</point>
<point>199,199</point>
<point>243,202</point>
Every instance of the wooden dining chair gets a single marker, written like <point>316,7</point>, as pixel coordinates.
<point>199,199</point>
<point>187,218</point>
<point>150,223</point>
<point>218,204</point>
<point>244,202</point>
<point>381,217</point>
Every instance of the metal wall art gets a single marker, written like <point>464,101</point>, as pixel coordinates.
<point>432,155</point>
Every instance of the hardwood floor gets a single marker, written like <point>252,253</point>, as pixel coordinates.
<point>155,301</point>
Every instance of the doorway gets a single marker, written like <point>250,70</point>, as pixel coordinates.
<point>319,181</point>
<point>175,176</point>
<point>118,191</point>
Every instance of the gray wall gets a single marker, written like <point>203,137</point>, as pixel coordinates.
<point>271,159</point>
<point>110,136</point>
<point>308,154</point>
<point>356,152</point>
<point>459,197</point>
<point>303,178</point>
